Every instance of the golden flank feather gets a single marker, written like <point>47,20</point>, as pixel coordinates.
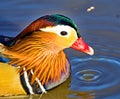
<point>9,80</point>
<point>38,52</point>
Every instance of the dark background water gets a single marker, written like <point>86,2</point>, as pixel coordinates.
<point>92,77</point>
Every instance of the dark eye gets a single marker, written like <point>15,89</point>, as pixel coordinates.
<point>63,33</point>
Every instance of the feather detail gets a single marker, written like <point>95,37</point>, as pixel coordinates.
<point>35,25</point>
<point>38,53</point>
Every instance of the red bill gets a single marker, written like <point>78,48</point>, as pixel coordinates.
<point>82,46</point>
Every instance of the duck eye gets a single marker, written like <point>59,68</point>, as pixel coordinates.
<point>63,33</point>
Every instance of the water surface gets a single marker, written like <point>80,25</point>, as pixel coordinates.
<point>92,77</point>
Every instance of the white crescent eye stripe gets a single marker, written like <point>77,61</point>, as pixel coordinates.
<point>58,29</point>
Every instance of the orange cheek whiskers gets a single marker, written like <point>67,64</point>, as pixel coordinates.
<point>47,64</point>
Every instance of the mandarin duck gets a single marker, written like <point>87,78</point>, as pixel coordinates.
<point>34,61</point>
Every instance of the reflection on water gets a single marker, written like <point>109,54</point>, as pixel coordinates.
<point>60,92</point>
<point>92,77</point>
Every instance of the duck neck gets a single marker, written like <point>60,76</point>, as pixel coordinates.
<point>53,69</point>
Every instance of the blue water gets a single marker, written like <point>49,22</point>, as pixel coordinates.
<point>92,77</point>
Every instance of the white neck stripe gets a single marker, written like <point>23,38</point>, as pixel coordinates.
<point>27,82</point>
<point>39,83</point>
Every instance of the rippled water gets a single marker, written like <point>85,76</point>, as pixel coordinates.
<point>100,76</point>
<point>92,77</point>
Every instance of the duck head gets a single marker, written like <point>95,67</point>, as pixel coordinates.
<point>64,30</point>
<point>39,47</point>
